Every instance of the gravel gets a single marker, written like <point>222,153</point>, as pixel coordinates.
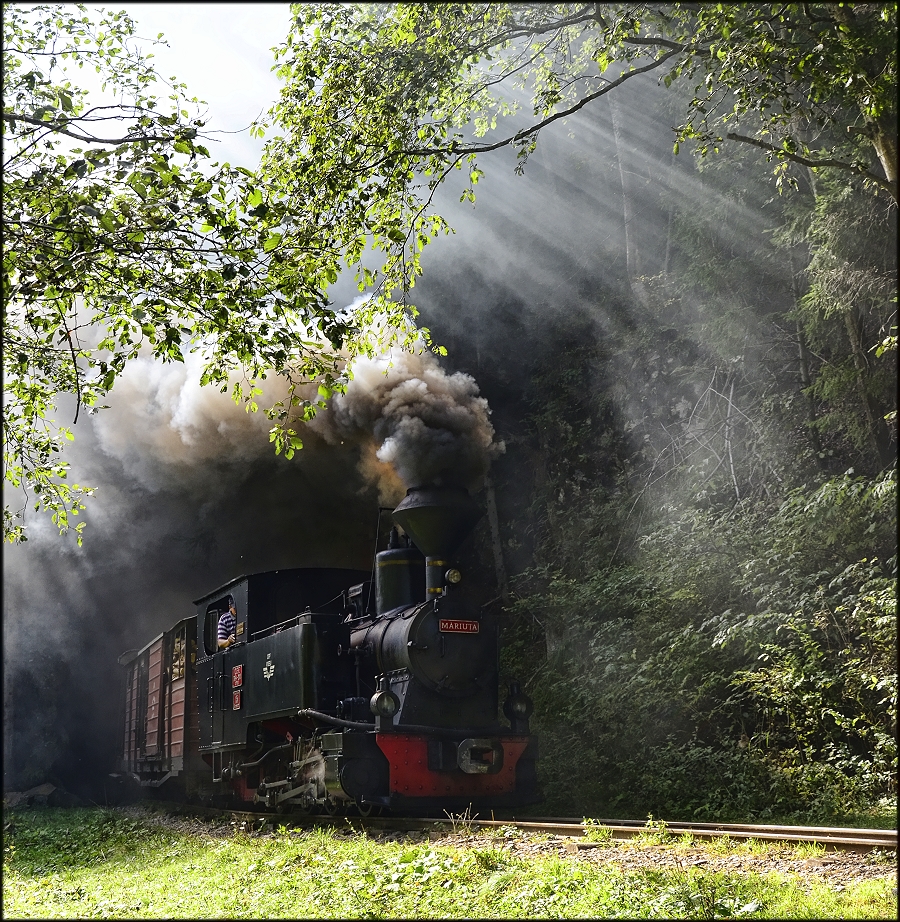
<point>837,868</point>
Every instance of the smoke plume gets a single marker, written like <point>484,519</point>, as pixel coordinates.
<point>414,424</point>
<point>411,421</point>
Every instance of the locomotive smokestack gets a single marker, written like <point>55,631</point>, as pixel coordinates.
<point>437,518</point>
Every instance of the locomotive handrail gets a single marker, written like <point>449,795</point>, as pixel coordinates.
<point>289,622</point>
<point>273,629</point>
<point>406,728</point>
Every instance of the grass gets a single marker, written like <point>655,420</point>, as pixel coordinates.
<point>95,863</point>
<point>882,817</point>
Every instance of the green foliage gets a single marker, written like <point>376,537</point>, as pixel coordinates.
<point>794,75</point>
<point>103,864</point>
<point>383,101</point>
<point>120,238</point>
<point>847,313</point>
<point>754,676</point>
<point>595,831</point>
<point>131,242</point>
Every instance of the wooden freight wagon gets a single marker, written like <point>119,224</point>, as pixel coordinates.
<point>161,716</point>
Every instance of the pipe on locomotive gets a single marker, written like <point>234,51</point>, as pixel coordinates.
<point>244,766</point>
<point>337,721</point>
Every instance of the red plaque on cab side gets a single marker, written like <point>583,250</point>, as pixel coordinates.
<point>236,700</point>
<point>451,626</point>
<point>237,676</point>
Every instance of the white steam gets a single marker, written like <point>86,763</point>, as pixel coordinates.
<point>162,425</point>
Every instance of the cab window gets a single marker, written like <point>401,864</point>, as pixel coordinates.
<point>211,624</point>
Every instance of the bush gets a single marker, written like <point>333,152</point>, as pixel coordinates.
<point>739,667</point>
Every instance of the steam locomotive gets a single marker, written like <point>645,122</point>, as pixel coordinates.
<point>328,701</point>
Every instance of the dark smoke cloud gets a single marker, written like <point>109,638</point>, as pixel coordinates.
<point>415,424</point>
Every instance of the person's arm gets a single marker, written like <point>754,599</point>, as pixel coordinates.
<point>223,643</point>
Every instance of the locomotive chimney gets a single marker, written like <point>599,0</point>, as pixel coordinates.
<point>437,519</point>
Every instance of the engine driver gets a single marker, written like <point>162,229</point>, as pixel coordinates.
<point>227,626</point>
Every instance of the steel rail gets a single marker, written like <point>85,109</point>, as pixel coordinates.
<point>835,836</point>
<point>736,827</point>
<point>862,840</point>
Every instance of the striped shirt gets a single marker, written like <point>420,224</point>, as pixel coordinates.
<point>227,624</point>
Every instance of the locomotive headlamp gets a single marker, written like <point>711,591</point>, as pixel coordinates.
<point>453,576</point>
<point>518,707</point>
<point>384,704</point>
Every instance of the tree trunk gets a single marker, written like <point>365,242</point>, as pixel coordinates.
<point>728,431</point>
<point>667,258</point>
<point>885,144</point>
<point>632,250</point>
<point>879,438</point>
<point>803,356</point>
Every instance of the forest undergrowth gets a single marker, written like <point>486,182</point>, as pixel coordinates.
<point>711,602</point>
<point>754,678</point>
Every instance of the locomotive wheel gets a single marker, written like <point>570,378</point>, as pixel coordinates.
<point>366,810</point>
<point>331,807</point>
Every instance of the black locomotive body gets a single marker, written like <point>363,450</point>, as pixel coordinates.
<point>338,691</point>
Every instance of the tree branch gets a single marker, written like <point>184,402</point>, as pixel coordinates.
<point>13,117</point>
<point>62,316</point>
<point>516,30</point>
<point>667,43</point>
<point>534,129</point>
<point>806,161</point>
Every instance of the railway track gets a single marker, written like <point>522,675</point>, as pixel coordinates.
<point>833,838</point>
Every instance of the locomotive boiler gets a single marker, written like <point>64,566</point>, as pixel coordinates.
<point>344,688</point>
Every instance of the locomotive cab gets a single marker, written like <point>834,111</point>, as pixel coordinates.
<point>292,651</point>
